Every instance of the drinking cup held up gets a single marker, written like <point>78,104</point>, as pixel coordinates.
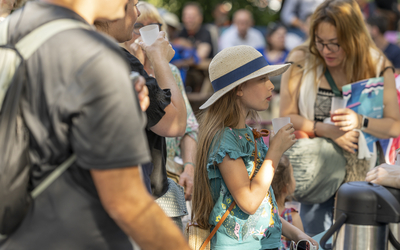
<point>149,33</point>
<point>278,123</point>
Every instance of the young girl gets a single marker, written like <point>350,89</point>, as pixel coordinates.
<point>225,155</point>
<point>284,185</point>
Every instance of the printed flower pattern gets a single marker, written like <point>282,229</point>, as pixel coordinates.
<point>238,225</point>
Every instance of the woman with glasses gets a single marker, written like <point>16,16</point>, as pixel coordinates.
<point>338,52</point>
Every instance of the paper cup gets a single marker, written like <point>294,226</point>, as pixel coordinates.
<point>278,123</point>
<point>337,103</point>
<point>149,33</point>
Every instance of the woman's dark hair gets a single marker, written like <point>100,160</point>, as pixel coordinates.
<point>271,29</point>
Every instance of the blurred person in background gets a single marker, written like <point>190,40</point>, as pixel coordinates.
<point>241,32</point>
<point>294,16</point>
<point>275,52</point>
<point>377,26</point>
<point>221,17</point>
<point>185,52</point>
<point>195,34</point>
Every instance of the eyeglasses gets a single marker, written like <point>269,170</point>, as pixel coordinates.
<point>302,245</point>
<point>332,47</point>
<point>138,26</point>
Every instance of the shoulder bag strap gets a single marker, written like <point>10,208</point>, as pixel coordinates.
<point>228,211</point>
<point>331,82</point>
<point>53,176</point>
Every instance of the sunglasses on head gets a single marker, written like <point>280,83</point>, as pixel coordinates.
<point>302,245</point>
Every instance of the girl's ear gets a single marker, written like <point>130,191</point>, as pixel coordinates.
<point>239,91</point>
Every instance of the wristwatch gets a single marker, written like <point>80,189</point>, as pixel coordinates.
<point>365,122</point>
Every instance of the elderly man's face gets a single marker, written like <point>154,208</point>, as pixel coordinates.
<point>191,18</point>
<point>243,22</point>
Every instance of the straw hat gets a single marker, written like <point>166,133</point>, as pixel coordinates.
<point>236,65</point>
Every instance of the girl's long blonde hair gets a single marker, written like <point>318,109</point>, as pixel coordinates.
<point>225,112</point>
<point>352,35</point>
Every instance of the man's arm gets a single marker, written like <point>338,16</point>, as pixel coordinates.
<point>128,203</point>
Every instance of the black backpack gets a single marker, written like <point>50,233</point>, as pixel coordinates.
<point>14,136</point>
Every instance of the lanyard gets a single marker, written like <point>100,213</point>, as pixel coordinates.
<point>331,82</point>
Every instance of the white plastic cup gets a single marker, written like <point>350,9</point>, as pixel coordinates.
<point>149,33</point>
<point>278,123</point>
<point>337,103</point>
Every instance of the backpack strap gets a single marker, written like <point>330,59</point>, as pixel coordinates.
<point>26,47</point>
<point>53,176</point>
<point>31,42</point>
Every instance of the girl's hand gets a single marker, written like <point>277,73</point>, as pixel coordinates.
<point>303,236</point>
<point>347,119</point>
<point>284,139</point>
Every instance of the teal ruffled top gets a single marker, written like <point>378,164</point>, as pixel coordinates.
<point>261,230</point>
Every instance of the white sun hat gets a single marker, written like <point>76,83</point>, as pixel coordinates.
<point>236,65</point>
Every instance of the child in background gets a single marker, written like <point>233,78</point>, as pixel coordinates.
<point>225,156</point>
<point>284,185</point>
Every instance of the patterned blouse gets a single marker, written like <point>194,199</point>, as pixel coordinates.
<point>192,126</point>
<point>261,230</point>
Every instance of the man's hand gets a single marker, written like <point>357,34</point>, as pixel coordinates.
<point>385,175</point>
<point>143,93</point>
<point>186,181</point>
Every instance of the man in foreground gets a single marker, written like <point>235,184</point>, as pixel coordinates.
<point>79,100</point>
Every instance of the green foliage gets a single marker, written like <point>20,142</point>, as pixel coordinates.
<point>262,16</point>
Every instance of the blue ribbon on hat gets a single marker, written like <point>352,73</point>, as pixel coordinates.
<point>239,73</point>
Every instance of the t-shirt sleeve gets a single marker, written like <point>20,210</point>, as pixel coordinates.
<point>231,144</point>
<point>109,130</point>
